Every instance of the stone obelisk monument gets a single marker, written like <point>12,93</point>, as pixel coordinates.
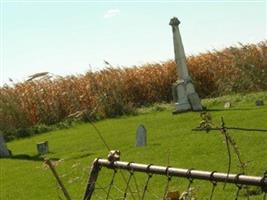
<point>186,96</point>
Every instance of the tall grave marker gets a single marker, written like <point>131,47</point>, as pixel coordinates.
<point>187,98</point>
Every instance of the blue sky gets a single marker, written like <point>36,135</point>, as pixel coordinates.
<point>72,37</point>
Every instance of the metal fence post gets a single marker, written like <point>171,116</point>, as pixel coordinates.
<point>92,180</point>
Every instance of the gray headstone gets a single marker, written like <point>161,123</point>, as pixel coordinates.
<point>259,102</point>
<point>227,105</point>
<point>4,152</point>
<point>42,147</point>
<point>141,138</point>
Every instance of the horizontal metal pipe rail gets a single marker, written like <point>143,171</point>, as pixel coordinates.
<point>239,179</point>
<point>187,173</point>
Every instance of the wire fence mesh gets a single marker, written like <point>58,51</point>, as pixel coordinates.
<point>134,181</point>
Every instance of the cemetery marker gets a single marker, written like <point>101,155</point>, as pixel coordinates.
<point>4,152</point>
<point>227,105</point>
<point>42,147</point>
<point>184,92</point>
<point>259,102</point>
<point>141,138</point>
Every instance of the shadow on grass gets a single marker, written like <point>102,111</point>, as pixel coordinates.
<point>217,110</point>
<point>81,156</point>
<point>231,109</point>
<point>31,158</point>
<point>156,144</point>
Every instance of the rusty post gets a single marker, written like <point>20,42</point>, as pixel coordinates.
<point>91,180</point>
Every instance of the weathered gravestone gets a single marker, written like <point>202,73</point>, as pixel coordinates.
<point>4,152</point>
<point>141,138</point>
<point>227,105</point>
<point>259,102</point>
<point>42,147</point>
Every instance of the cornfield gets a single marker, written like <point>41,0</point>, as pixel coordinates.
<point>116,91</point>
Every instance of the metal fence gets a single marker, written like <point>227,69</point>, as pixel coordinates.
<point>239,180</point>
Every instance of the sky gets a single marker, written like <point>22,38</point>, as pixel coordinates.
<point>73,37</point>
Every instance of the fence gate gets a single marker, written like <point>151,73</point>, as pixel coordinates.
<point>242,186</point>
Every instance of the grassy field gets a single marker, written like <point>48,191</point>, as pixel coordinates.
<point>25,176</point>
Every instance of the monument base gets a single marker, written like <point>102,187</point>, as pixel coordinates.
<point>185,97</point>
<point>195,101</point>
<point>182,107</point>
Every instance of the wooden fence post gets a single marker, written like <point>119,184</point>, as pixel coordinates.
<point>62,187</point>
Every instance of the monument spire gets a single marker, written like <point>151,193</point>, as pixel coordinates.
<point>187,98</point>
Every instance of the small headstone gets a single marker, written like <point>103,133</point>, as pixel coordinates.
<point>259,102</point>
<point>42,147</point>
<point>4,152</point>
<point>141,138</point>
<point>227,105</point>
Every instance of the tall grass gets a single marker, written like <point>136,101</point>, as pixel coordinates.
<point>113,92</point>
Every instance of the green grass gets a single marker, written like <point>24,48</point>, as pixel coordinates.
<point>25,176</point>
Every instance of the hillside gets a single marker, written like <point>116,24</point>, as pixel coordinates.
<point>26,177</point>
<point>114,91</point>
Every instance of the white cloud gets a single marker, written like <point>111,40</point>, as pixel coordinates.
<point>112,13</point>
